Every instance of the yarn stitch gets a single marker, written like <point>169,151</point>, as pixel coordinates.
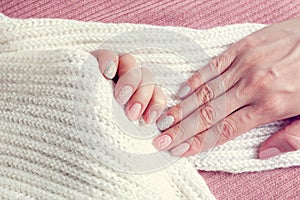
<point>42,153</point>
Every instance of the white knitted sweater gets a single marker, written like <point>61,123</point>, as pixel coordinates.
<point>62,135</point>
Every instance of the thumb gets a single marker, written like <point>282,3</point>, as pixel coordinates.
<point>285,140</point>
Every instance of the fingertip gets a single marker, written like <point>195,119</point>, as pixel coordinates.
<point>123,93</point>
<point>181,149</point>
<point>108,62</point>
<point>184,90</point>
<point>153,113</point>
<point>277,144</point>
<point>133,111</point>
<point>195,146</point>
<point>156,106</point>
<point>170,117</point>
<point>129,78</point>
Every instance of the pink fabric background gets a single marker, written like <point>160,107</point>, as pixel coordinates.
<point>201,14</point>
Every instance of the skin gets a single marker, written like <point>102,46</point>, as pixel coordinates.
<point>254,82</point>
<point>128,72</point>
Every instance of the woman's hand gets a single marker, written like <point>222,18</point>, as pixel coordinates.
<point>134,85</point>
<point>254,82</point>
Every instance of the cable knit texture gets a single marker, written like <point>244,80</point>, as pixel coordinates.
<point>42,154</point>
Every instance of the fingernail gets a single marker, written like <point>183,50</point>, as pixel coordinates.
<point>110,70</point>
<point>183,91</point>
<point>162,142</point>
<point>268,153</point>
<point>134,111</point>
<point>165,122</point>
<point>155,111</point>
<point>180,149</point>
<point>124,94</point>
<point>152,117</point>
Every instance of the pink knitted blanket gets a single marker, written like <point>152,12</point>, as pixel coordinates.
<point>200,14</point>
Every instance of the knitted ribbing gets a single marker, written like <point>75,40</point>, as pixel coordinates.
<point>42,155</point>
<point>190,13</point>
<point>42,151</point>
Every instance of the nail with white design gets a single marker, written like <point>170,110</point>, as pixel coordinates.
<point>124,94</point>
<point>183,91</point>
<point>161,142</point>
<point>110,70</point>
<point>165,122</point>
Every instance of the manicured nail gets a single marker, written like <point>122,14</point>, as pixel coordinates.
<point>155,111</point>
<point>180,149</point>
<point>110,70</point>
<point>268,153</point>
<point>134,111</point>
<point>162,142</point>
<point>165,122</point>
<point>152,117</point>
<point>124,94</point>
<point>183,91</point>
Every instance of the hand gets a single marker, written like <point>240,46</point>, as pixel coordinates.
<point>256,82</point>
<point>134,85</point>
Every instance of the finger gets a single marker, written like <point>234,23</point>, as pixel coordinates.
<point>285,140</point>
<point>108,62</point>
<point>142,96</point>
<point>202,95</point>
<point>232,126</point>
<point>156,106</point>
<point>210,71</point>
<point>130,76</point>
<point>200,120</point>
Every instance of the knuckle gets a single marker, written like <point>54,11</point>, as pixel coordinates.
<point>178,133</point>
<point>221,61</point>
<point>248,42</point>
<point>261,80</point>
<point>195,79</point>
<point>205,142</point>
<point>200,138</point>
<point>207,114</point>
<point>205,93</point>
<point>225,131</point>
<point>195,146</point>
<point>273,106</point>
<point>241,92</point>
<point>216,63</point>
<point>176,112</point>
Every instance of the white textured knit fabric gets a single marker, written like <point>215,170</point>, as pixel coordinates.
<point>46,101</point>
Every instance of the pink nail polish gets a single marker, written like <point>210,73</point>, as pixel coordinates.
<point>268,153</point>
<point>183,91</point>
<point>162,142</point>
<point>180,149</point>
<point>134,112</point>
<point>152,117</point>
<point>154,112</point>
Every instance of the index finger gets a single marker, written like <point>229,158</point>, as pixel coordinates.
<point>210,71</point>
